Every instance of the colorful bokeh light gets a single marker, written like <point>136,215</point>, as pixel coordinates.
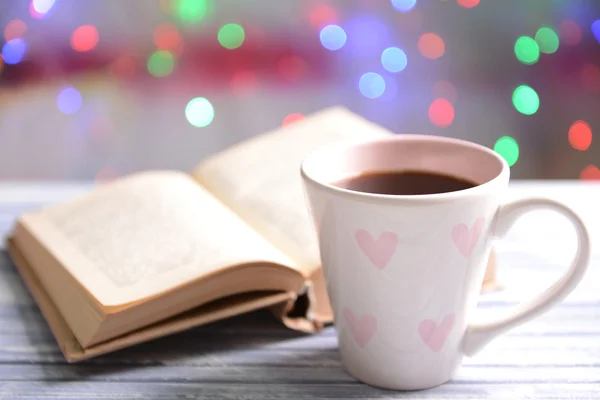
<point>468,3</point>
<point>445,90</point>
<point>441,113</point>
<point>199,112</point>
<point>42,6</point>
<point>243,83</point>
<point>191,11</point>
<point>14,51</point>
<point>333,37</point>
<point>394,59</point>
<point>322,15</point>
<point>14,29</point>
<point>590,173</point>
<point>167,37</point>
<point>596,29</point>
<point>527,50</point>
<point>547,40</point>
<point>404,5</point>
<point>570,33</point>
<point>508,148</point>
<point>69,101</point>
<point>580,135</point>
<point>526,100</point>
<point>431,46</point>
<point>85,38</point>
<point>292,119</point>
<point>371,85</point>
<point>231,36</point>
<point>161,63</point>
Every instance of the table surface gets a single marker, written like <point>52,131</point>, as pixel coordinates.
<point>556,356</point>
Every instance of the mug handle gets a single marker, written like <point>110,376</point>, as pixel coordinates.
<point>478,336</point>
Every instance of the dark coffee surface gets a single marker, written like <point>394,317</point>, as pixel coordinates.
<point>404,183</point>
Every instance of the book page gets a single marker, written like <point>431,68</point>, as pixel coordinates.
<point>145,234</point>
<point>260,180</point>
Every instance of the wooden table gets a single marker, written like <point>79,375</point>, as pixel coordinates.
<point>254,357</point>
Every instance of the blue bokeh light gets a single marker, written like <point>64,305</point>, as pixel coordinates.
<point>596,29</point>
<point>394,59</point>
<point>371,85</point>
<point>404,5</point>
<point>69,101</point>
<point>333,37</point>
<point>14,50</point>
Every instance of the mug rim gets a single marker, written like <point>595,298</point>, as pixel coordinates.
<point>346,144</point>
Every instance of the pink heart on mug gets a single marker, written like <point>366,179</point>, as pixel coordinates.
<point>466,239</point>
<point>379,251</point>
<point>435,335</point>
<point>362,329</point>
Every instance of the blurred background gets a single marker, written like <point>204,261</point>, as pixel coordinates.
<point>96,89</point>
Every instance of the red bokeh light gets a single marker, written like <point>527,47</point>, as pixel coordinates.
<point>590,172</point>
<point>167,37</point>
<point>322,15</point>
<point>431,46</point>
<point>14,29</point>
<point>292,119</point>
<point>243,83</point>
<point>580,135</point>
<point>85,38</point>
<point>441,113</point>
<point>468,3</point>
<point>569,32</point>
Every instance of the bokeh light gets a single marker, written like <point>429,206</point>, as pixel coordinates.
<point>14,29</point>
<point>441,113</point>
<point>125,66</point>
<point>14,51</point>
<point>580,135</point>
<point>547,40</point>
<point>333,37</point>
<point>167,37</point>
<point>42,6</point>
<point>371,85</point>
<point>231,36</point>
<point>85,38</point>
<point>431,46</point>
<point>199,112</point>
<point>34,13</point>
<point>393,59</point>
<point>526,100</point>
<point>69,101</point>
<point>468,3</point>
<point>590,173</point>
<point>527,50</point>
<point>596,29</point>
<point>508,148</point>
<point>445,90</point>
<point>243,83</point>
<point>590,77</point>
<point>292,119</point>
<point>161,63</point>
<point>570,33</point>
<point>292,67</point>
<point>404,5</point>
<point>191,11</point>
<point>321,15</point>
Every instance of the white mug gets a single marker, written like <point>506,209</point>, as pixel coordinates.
<point>404,272</point>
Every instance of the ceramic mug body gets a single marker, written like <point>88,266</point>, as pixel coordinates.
<point>404,272</point>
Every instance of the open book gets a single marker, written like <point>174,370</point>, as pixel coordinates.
<point>158,252</point>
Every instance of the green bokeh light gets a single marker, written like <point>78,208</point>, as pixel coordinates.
<point>547,40</point>
<point>199,112</point>
<point>161,63</point>
<point>191,11</point>
<point>527,50</point>
<point>526,100</point>
<point>508,148</point>
<point>231,36</point>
